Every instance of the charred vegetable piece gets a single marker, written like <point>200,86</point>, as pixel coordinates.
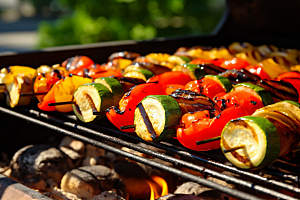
<point>250,142</point>
<point>258,70</point>
<point>77,63</point>
<point>44,82</point>
<point>191,102</point>
<point>198,71</point>
<point>272,68</point>
<point>234,63</point>
<point>279,90</point>
<point>133,67</point>
<point>124,54</point>
<point>91,97</point>
<point>143,74</point>
<point>255,90</point>
<point>199,126</point>
<point>124,114</point>
<point>154,68</point>
<point>210,85</point>
<point>129,82</point>
<point>153,115</point>
<point>247,95</point>
<point>240,76</point>
<point>172,77</point>
<point>289,137</point>
<point>17,80</point>
<point>15,86</point>
<point>121,63</point>
<point>238,47</point>
<point>287,111</point>
<point>64,91</point>
<point>114,86</point>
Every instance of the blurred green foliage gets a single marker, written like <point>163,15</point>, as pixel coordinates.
<point>104,20</point>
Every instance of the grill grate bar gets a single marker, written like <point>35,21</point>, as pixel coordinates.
<point>200,180</point>
<point>180,162</point>
<point>187,153</point>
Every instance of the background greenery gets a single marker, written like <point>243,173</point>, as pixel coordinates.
<point>90,21</point>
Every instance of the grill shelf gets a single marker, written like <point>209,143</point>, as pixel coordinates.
<point>250,181</point>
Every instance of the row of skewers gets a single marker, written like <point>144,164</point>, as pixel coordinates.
<point>192,94</point>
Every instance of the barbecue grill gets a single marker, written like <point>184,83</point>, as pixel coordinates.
<point>257,22</point>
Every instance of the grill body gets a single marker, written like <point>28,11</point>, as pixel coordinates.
<point>253,21</point>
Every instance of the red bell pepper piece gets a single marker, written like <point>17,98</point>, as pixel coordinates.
<point>234,63</point>
<point>173,77</point>
<point>199,126</point>
<point>291,77</point>
<point>77,63</point>
<point>124,115</point>
<point>282,76</point>
<point>206,86</point>
<point>238,98</point>
<point>217,61</point>
<point>172,87</point>
<point>110,72</point>
<point>258,70</point>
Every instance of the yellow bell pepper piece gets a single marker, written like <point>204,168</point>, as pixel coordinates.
<point>65,90</point>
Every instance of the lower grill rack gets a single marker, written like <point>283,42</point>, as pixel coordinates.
<point>254,185</point>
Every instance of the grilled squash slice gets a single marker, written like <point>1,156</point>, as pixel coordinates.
<point>154,117</point>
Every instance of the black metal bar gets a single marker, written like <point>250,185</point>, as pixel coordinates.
<point>200,180</point>
<point>181,151</point>
<point>181,162</point>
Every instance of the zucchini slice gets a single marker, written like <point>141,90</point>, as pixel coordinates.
<point>257,91</point>
<point>285,115</point>
<point>257,138</point>
<point>153,115</point>
<point>114,86</point>
<point>133,67</point>
<point>91,97</point>
<point>140,73</point>
<point>289,109</point>
<point>197,71</point>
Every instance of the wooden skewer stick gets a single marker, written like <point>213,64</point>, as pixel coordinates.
<point>233,148</point>
<point>208,140</point>
<point>175,126</point>
<point>99,113</point>
<point>61,103</point>
<point>32,94</point>
<point>167,127</point>
<point>127,127</point>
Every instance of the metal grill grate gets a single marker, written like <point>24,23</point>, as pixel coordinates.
<point>207,163</point>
